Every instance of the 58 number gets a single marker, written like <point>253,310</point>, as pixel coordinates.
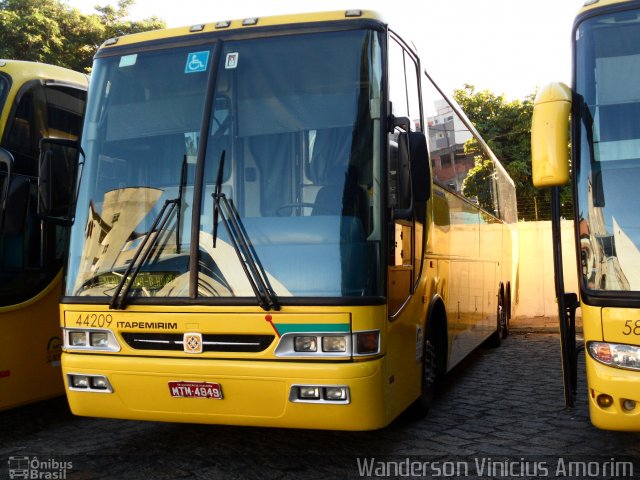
<point>631,327</point>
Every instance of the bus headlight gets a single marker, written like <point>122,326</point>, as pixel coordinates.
<point>334,344</point>
<point>99,339</point>
<point>305,344</point>
<point>90,339</point>
<point>615,355</point>
<point>77,339</point>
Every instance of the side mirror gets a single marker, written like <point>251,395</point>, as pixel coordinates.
<point>550,136</point>
<point>408,173</point>
<point>14,198</point>
<point>400,197</point>
<point>57,173</point>
<point>420,173</point>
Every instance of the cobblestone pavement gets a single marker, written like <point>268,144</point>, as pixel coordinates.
<point>500,414</point>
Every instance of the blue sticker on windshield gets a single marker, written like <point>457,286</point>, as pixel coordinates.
<point>197,62</point>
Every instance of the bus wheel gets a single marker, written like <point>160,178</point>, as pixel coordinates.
<point>495,340</point>
<point>428,381</point>
<point>505,312</point>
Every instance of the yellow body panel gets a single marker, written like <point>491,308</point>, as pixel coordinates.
<point>595,4</point>
<point>30,343</point>
<point>215,26</point>
<point>607,324</point>
<point>254,393</point>
<point>30,348</point>
<point>255,386</point>
<point>22,72</point>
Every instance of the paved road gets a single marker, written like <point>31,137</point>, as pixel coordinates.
<point>500,414</point>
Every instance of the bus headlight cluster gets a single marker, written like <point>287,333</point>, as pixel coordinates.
<point>329,344</point>
<point>90,339</point>
<point>335,394</point>
<point>616,355</point>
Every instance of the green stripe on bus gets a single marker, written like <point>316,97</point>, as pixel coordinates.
<point>284,328</point>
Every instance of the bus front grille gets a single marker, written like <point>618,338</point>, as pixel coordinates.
<point>210,342</point>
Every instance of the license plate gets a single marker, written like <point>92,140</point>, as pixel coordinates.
<point>195,390</point>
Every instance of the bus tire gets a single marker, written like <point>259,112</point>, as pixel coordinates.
<point>495,340</point>
<point>428,381</point>
<point>507,313</point>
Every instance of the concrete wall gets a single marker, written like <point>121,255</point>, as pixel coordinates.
<point>537,291</point>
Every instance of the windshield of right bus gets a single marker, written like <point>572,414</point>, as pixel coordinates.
<point>608,142</point>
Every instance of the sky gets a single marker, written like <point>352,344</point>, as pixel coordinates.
<point>509,47</point>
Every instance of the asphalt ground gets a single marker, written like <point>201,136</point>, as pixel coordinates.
<point>499,414</point>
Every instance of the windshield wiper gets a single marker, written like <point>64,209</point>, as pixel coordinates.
<point>118,299</point>
<point>241,243</point>
<point>183,185</point>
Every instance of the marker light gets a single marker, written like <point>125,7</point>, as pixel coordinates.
<point>250,21</point>
<point>604,400</point>
<point>616,355</point>
<point>367,343</point>
<point>334,344</point>
<point>305,344</point>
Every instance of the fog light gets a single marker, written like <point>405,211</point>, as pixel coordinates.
<point>308,393</point>
<point>78,339</point>
<point>99,383</point>
<point>99,339</point>
<point>367,343</point>
<point>604,400</point>
<point>628,405</point>
<point>79,381</point>
<point>305,344</point>
<point>334,344</point>
<point>335,393</point>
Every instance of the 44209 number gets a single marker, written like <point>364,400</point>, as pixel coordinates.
<point>95,320</point>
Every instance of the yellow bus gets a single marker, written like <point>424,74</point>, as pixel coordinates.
<point>259,236</point>
<point>36,101</point>
<point>604,107</point>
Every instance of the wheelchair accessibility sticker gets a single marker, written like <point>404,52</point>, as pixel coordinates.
<point>197,62</point>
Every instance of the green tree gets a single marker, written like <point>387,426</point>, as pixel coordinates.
<point>50,31</point>
<point>506,128</point>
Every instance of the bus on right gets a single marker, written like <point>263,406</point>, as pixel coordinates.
<point>601,161</point>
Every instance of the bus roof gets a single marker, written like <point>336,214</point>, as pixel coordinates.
<point>593,4</point>
<point>243,24</point>
<point>22,71</point>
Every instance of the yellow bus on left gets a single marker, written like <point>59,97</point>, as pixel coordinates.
<point>37,101</point>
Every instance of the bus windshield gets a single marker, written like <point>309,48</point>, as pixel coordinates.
<point>608,98</point>
<point>296,119</point>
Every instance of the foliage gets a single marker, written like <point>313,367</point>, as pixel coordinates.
<point>50,31</point>
<point>506,128</point>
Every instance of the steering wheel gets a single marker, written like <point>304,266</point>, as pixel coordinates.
<point>280,211</point>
